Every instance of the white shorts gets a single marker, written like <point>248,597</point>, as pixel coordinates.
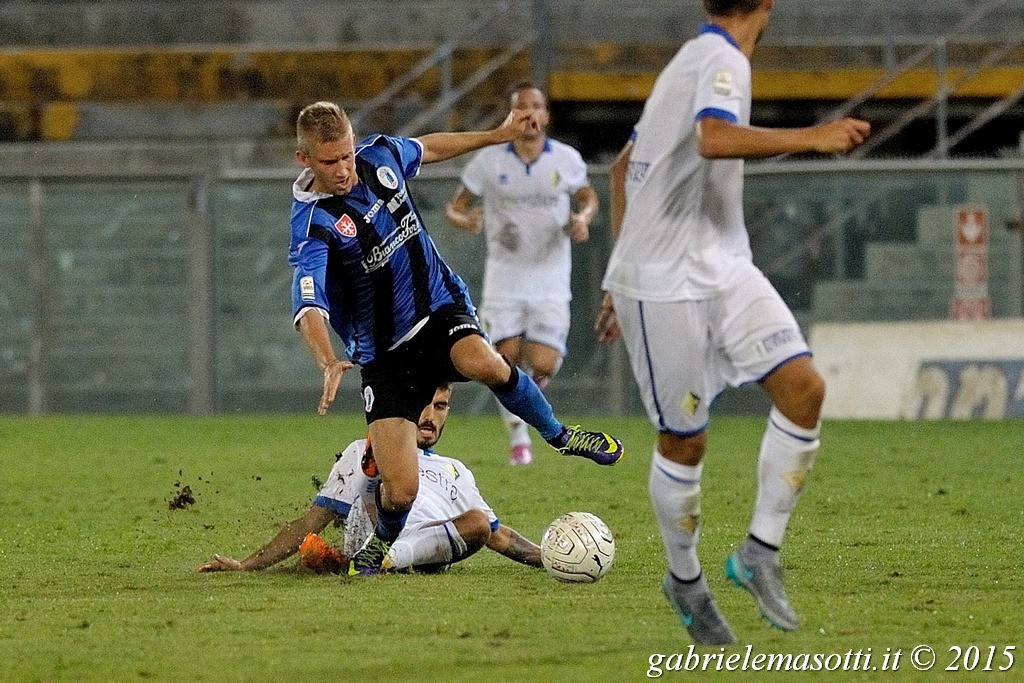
<point>544,322</point>
<point>685,353</point>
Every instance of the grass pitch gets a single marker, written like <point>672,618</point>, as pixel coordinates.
<point>908,534</point>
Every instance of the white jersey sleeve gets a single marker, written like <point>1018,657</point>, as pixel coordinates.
<point>473,176</point>
<point>574,170</point>
<point>723,85</point>
<point>683,233</point>
<point>346,482</point>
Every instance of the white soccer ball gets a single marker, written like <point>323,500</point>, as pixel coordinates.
<point>578,547</point>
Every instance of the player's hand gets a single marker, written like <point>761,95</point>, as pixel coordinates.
<point>578,228</point>
<point>607,324</point>
<point>333,373</point>
<point>515,124</point>
<point>220,563</point>
<point>840,136</point>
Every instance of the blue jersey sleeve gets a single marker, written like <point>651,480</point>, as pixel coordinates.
<point>410,155</point>
<point>308,281</point>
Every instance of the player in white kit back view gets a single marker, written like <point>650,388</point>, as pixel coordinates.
<point>697,316</point>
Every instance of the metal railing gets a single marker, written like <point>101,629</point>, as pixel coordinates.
<point>440,58</point>
<point>170,292</point>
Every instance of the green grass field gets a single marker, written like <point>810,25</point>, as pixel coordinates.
<point>907,534</point>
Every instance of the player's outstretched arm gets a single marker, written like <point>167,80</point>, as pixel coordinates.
<point>720,139</point>
<point>282,546</point>
<point>461,213</point>
<point>313,329</point>
<point>514,546</point>
<point>441,146</point>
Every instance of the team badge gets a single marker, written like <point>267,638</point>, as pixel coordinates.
<point>387,177</point>
<point>691,403</point>
<point>346,226</point>
<point>556,178</point>
<point>368,398</point>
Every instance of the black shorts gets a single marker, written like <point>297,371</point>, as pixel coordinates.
<point>401,382</point>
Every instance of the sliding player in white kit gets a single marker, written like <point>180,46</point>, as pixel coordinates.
<point>448,522</point>
<point>528,187</point>
<point>697,316</point>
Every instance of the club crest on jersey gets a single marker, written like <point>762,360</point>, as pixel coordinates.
<point>346,226</point>
<point>387,177</point>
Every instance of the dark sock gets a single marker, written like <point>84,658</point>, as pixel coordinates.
<point>521,396</point>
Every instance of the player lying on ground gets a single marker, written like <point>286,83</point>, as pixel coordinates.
<point>448,522</point>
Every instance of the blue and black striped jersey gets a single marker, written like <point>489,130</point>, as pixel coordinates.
<point>365,259</point>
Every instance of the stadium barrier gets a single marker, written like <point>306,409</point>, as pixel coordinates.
<point>148,283</point>
<point>923,370</point>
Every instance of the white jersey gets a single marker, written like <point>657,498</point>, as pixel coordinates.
<point>683,230</point>
<point>526,212</point>
<point>447,489</point>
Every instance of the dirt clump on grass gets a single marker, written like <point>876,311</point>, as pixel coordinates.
<point>182,500</point>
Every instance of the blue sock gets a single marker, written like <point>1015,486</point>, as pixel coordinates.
<point>523,397</point>
<point>389,523</point>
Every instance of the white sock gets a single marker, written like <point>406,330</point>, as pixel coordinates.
<point>675,495</point>
<point>439,544</point>
<point>787,455</point>
<point>518,432</point>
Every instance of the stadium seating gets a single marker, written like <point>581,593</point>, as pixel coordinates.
<point>234,69</point>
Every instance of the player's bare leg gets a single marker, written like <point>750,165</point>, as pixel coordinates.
<point>788,449</point>
<point>393,440</point>
<point>478,360</point>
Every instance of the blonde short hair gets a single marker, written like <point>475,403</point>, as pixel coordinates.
<point>321,122</point>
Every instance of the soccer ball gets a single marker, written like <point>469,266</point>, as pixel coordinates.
<point>577,547</point>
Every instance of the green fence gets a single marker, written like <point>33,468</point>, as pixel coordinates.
<point>171,293</point>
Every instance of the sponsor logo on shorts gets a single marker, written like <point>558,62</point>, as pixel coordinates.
<point>368,398</point>
<point>463,326</point>
<point>346,226</point>
<point>387,177</point>
<point>637,171</point>
<point>307,288</point>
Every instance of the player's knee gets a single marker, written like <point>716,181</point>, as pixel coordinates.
<point>487,367</point>
<point>397,495</point>
<point>685,450</point>
<point>810,396</point>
